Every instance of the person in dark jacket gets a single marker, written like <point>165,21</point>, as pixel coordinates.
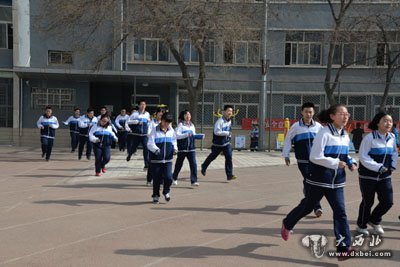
<point>73,123</point>
<point>47,124</point>
<point>357,136</point>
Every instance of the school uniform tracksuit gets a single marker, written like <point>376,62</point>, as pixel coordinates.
<point>161,146</point>
<point>85,124</point>
<point>329,147</point>
<point>122,133</point>
<point>302,136</point>
<point>73,123</point>
<point>376,152</point>
<point>186,149</point>
<point>221,142</point>
<point>137,126</point>
<point>102,138</point>
<point>48,126</point>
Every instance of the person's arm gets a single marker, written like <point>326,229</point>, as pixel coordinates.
<point>55,125</point>
<point>395,156</point>
<point>92,137</point>
<point>113,135</point>
<point>366,159</point>
<point>68,120</point>
<point>179,134</point>
<point>39,123</point>
<point>117,122</point>
<point>151,145</point>
<point>287,144</point>
<point>317,155</point>
<point>174,143</point>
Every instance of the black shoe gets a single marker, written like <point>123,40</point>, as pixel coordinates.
<point>128,158</point>
<point>79,157</point>
<point>47,159</point>
<point>167,197</point>
<point>72,150</point>
<point>203,171</point>
<point>88,157</point>
<point>233,177</point>
<point>43,155</point>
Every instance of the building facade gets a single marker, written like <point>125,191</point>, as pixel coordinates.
<point>38,69</point>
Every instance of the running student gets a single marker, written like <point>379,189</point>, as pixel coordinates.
<point>302,135</point>
<point>137,126</point>
<point>185,135</point>
<point>102,136</point>
<point>329,158</point>
<point>73,122</point>
<point>122,133</point>
<point>162,146</point>
<point>378,158</point>
<point>221,142</point>
<point>85,124</point>
<point>47,124</point>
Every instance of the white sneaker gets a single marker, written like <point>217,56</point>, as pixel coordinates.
<point>156,199</point>
<point>175,182</point>
<point>149,183</point>
<point>167,197</point>
<point>318,213</point>
<point>195,184</point>
<point>363,231</point>
<point>377,228</point>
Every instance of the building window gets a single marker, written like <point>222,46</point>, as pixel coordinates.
<point>149,50</point>
<point>6,36</point>
<point>189,52</point>
<point>243,52</point>
<point>246,104</point>
<point>350,54</point>
<point>292,105</point>
<point>203,117</point>
<point>6,108</point>
<point>303,48</point>
<point>382,54</point>
<point>59,57</point>
<point>60,98</point>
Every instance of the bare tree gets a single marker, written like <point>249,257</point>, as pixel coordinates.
<point>172,21</point>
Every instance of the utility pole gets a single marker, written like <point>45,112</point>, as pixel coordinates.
<point>263,91</point>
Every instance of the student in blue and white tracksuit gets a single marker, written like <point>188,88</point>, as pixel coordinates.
<point>122,133</point>
<point>102,136</point>
<point>152,125</point>
<point>73,122</point>
<point>162,146</point>
<point>302,134</point>
<point>137,126</point>
<point>329,157</point>
<point>378,158</point>
<point>85,124</point>
<point>222,143</point>
<point>185,135</point>
<point>104,111</point>
<point>47,124</point>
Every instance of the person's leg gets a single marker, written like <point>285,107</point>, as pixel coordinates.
<point>305,170</point>
<point>228,161</point>
<point>43,141</point>
<point>306,205</point>
<point>368,189</point>
<point>335,199</point>
<point>89,147</point>
<point>149,176</point>
<point>167,176</point>
<point>76,141</point>
<point>97,158</point>
<point>191,156</point>
<point>129,144</point>
<point>82,141</point>
<point>178,164</point>
<point>136,139</point>
<point>144,140</point>
<point>157,176</point>
<point>106,156</point>
<point>50,142</point>
<point>385,197</point>
<point>212,156</point>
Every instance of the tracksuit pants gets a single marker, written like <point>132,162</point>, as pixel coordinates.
<point>191,156</point>
<point>305,170</point>
<point>161,173</point>
<point>215,151</point>
<point>47,146</point>
<point>102,156</point>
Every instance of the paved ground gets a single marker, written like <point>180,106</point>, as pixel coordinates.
<point>58,214</point>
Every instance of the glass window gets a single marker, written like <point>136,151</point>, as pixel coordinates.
<point>241,53</point>
<point>163,52</point>
<point>209,52</point>
<point>254,53</point>
<point>151,50</point>
<point>228,53</point>
<point>3,35</point>
<point>139,50</point>
<point>184,48</point>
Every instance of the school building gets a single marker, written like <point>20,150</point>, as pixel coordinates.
<point>37,69</point>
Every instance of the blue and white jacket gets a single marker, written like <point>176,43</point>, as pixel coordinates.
<point>162,145</point>
<point>85,123</point>
<point>330,146</point>
<point>102,136</point>
<point>73,123</point>
<point>47,126</point>
<point>376,152</point>
<point>138,123</point>
<point>222,132</point>
<point>302,136</point>
<point>120,122</point>
<point>186,143</point>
